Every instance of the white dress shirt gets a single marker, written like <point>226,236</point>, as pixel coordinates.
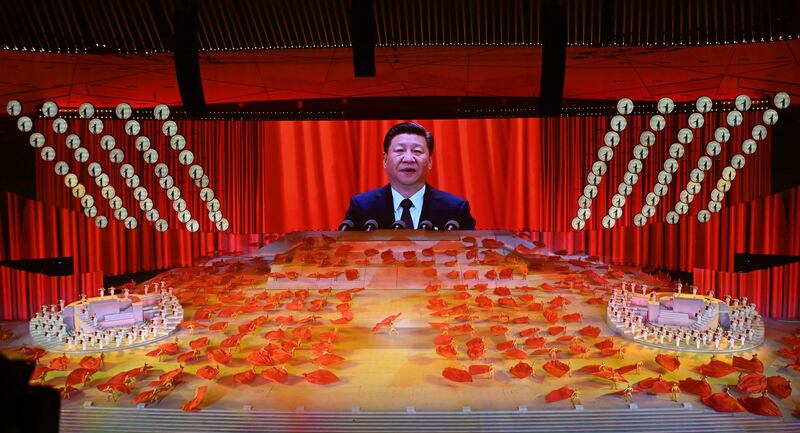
<point>416,208</point>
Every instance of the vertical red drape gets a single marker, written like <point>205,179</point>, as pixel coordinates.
<point>299,175</point>
<point>22,293</point>
<point>775,291</point>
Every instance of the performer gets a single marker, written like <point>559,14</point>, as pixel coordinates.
<point>627,394</point>
<point>575,398</point>
<point>407,159</point>
<point>674,390</point>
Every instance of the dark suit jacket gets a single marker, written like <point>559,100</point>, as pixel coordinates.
<point>438,207</point>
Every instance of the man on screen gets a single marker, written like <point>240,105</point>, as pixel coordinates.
<point>407,153</point>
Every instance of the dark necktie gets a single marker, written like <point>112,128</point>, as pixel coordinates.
<point>406,216</point>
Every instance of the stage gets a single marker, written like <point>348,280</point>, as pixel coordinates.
<point>483,284</point>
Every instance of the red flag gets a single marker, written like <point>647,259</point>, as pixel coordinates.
<point>220,356</point>
<point>669,362</point>
<point>330,336</point>
<point>90,362</point>
<point>498,330</point>
<point>529,332</point>
<point>170,376</point>
<point>716,368</point>
<point>327,359</point>
<point>321,377</point>
<point>761,406</point>
<point>59,363</point>
<point>723,402</point>
<point>110,387</point>
<point>491,243</point>
<point>605,344</point>
<point>589,331</point>
<point>550,315</point>
<point>351,274</point>
<point>505,345</point>
<point>696,387</point>
<point>79,376</point>
<point>610,375</point>
<point>194,403</point>
<point>507,302</point>
<point>579,349</point>
<point>779,386</point>
<point>479,369</point>
<point>559,394</point>
<point>443,339</point>
<point>190,324</point>
<point>347,316</point>
<point>40,372</point>
<point>592,368</point>
<point>275,374</point>
<point>476,348</point>
<point>388,321</point>
<point>447,351</point>
<point>199,343</point>
<point>521,370</point>
<point>260,357</point>
<point>217,326</point>
<point>147,396</point>
<point>245,377</point>
<point>456,375</point>
<point>626,368</point>
<point>662,386</point>
<point>208,372</point>
<point>232,341</point>
<point>753,364</point>
<point>470,274</point>
<point>502,291</point>
<point>534,342</point>
<point>515,353</point>
<point>184,357</point>
<point>752,383</point>
<point>556,368</point>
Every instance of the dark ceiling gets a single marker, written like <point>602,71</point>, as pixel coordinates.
<point>271,55</point>
<point>141,26</point>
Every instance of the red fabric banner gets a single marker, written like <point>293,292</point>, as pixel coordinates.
<point>766,225</point>
<point>22,293</point>
<point>283,176</point>
<point>775,291</point>
<point>299,175</point>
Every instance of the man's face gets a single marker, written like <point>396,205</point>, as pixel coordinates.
<point>407,160</point>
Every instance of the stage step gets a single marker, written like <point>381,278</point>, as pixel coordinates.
<point>119,420</point>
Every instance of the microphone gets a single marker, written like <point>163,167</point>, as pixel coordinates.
<point>346,225</point>
<point>426,225</point>
<point>452,225</point>
<point>399,225</point>
<point>371,225</point>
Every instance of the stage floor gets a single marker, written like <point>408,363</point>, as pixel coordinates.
<point>401,372</point>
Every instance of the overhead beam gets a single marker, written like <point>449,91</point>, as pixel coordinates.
<point>183,44</point>
<point>362,37</point>
<point>554,57</point>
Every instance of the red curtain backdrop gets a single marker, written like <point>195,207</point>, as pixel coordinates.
<point>775,291</point>
<point>299,175</point>
<point>37,230</point>
<point>23,293</point>
<point>767,225</point>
